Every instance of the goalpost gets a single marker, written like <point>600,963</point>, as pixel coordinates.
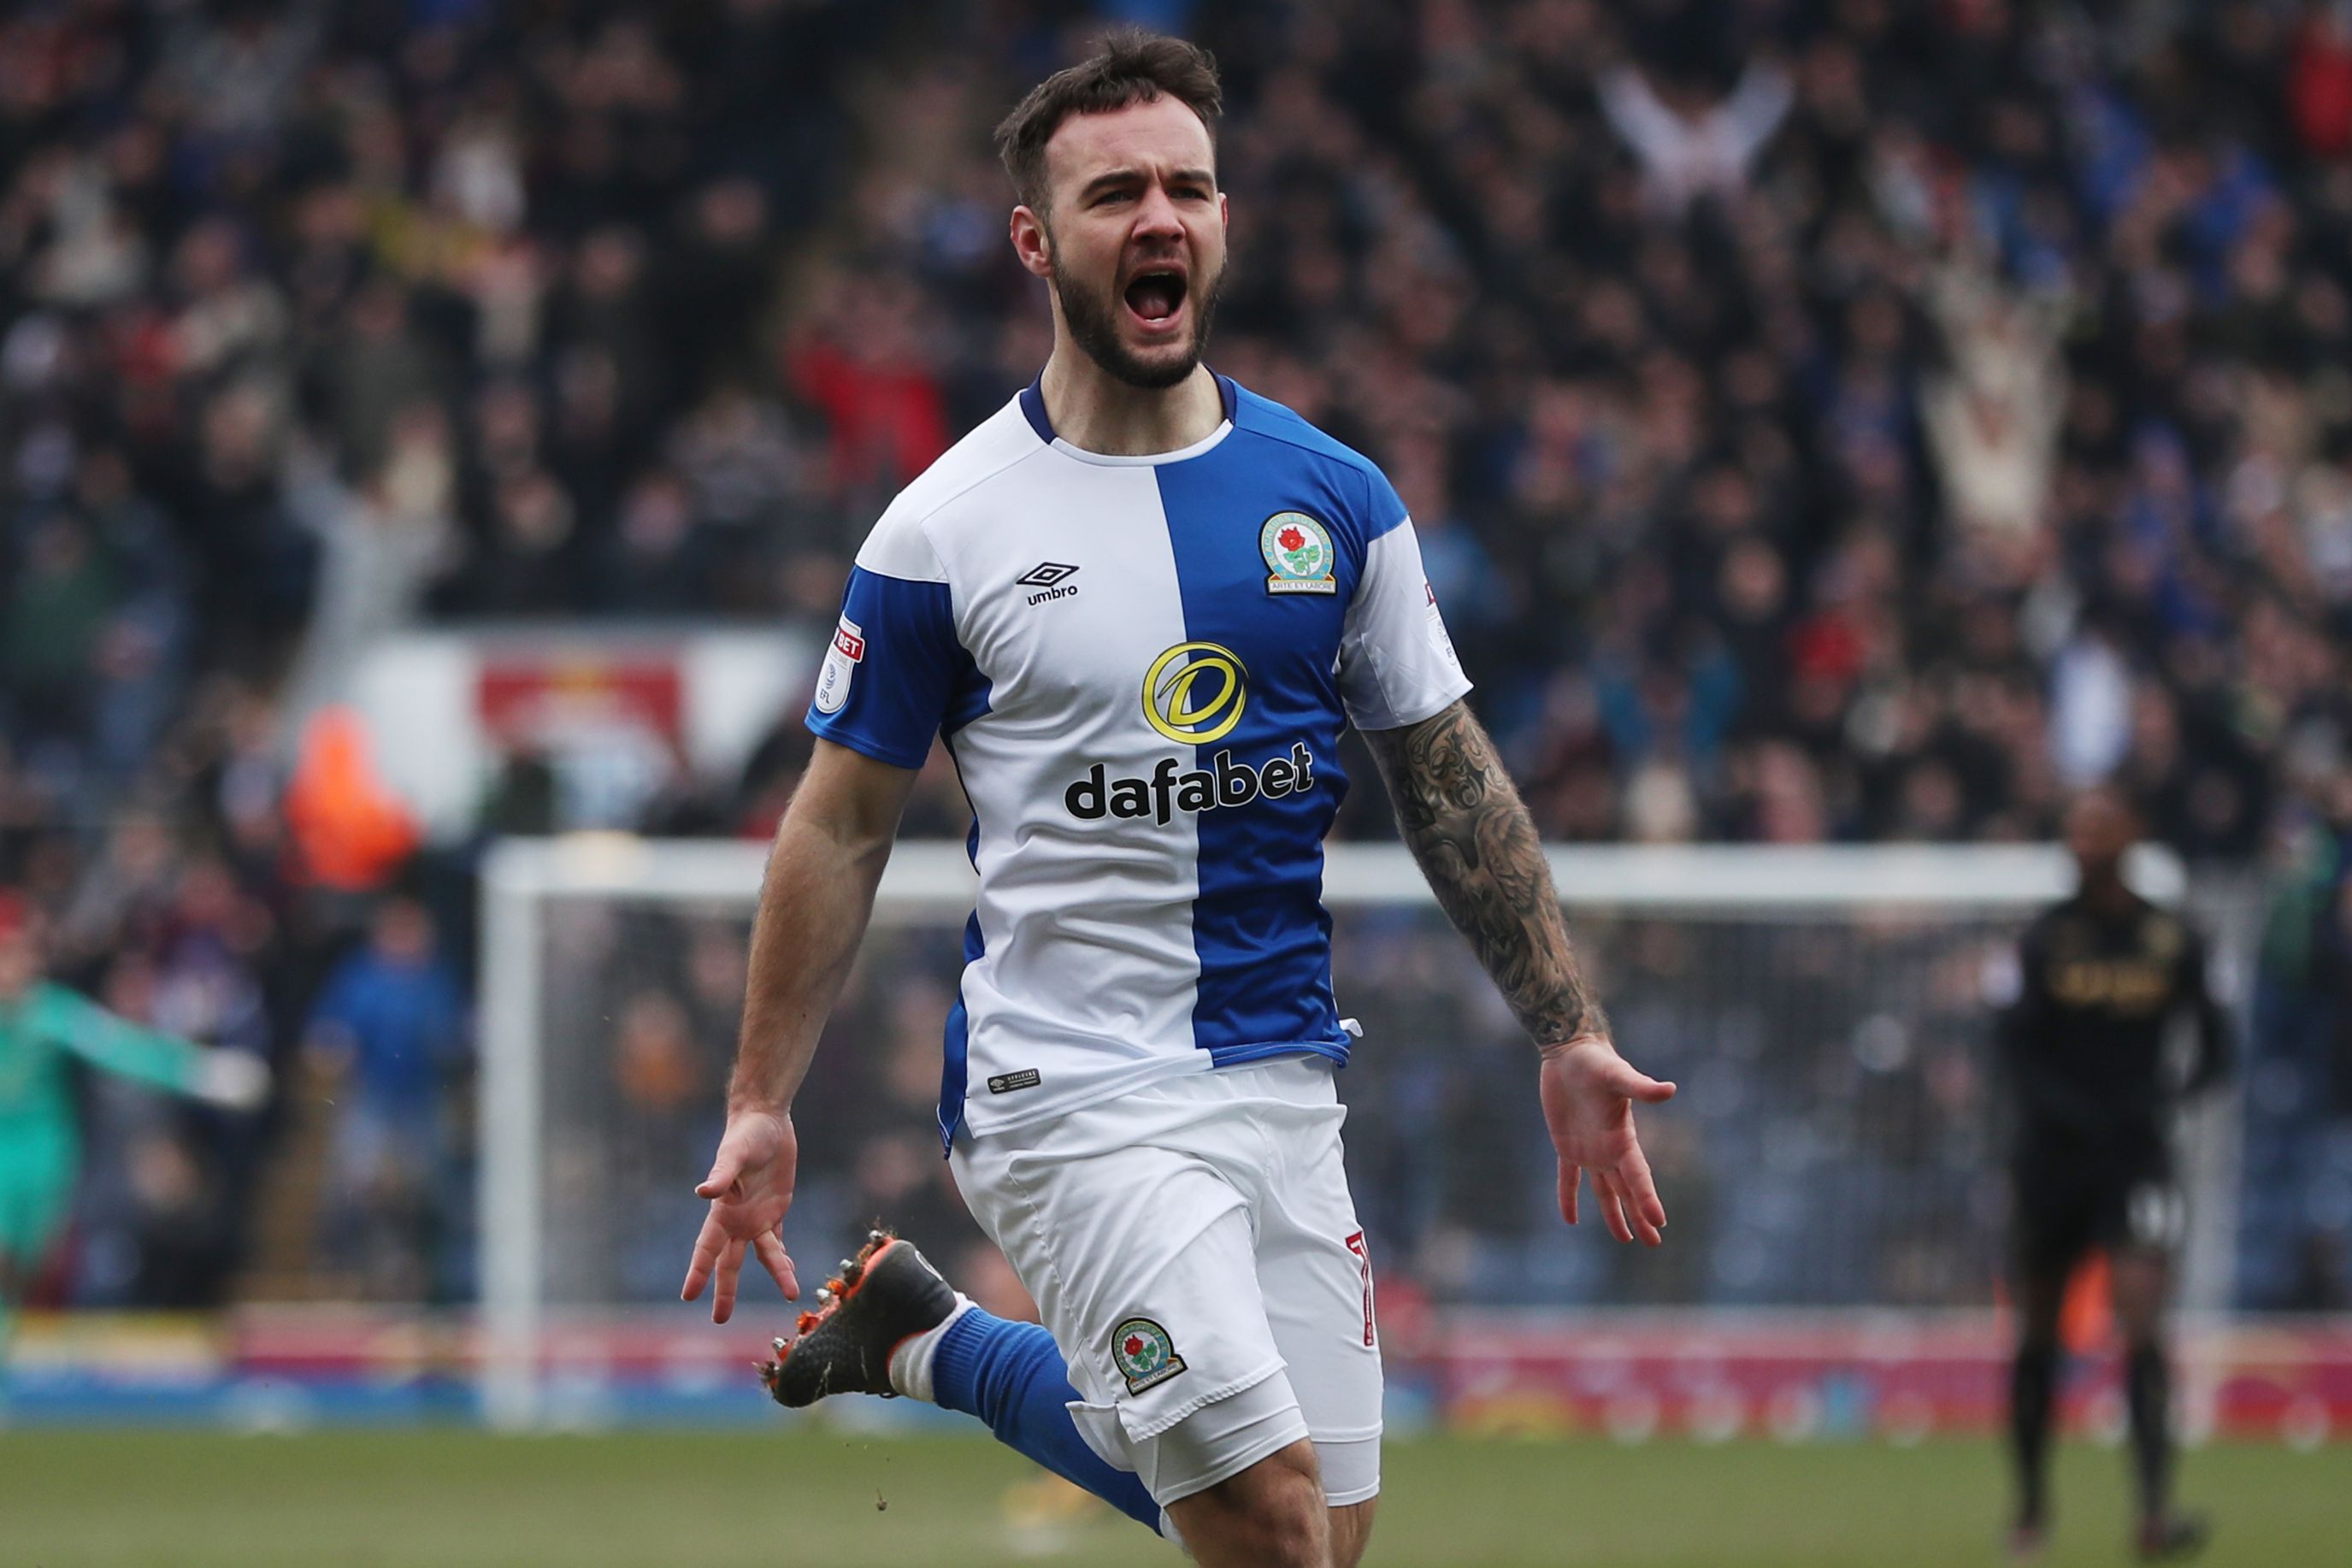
<point>1826,1009</point>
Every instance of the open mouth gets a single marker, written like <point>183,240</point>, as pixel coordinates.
<point>1156,294</point>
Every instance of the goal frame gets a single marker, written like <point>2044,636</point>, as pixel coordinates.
<point>933,882</point>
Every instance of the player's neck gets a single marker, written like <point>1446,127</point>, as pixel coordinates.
<point>1096,412</point>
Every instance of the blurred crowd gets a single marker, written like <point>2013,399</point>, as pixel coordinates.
<point>1824,420</point>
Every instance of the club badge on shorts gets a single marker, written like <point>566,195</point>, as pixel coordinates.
<point>1144,1354</point>
<point>1298,554</point>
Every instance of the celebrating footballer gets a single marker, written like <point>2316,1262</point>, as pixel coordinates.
<point>1138,604</point>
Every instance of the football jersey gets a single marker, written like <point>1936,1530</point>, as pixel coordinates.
<point>1140,665</point>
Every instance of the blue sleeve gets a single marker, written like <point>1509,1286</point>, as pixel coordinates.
<point>1387,508</point>
<point>894,675</point>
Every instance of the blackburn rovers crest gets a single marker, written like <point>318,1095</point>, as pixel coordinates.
<point>1298,554</point>
<point>1144,1354</point>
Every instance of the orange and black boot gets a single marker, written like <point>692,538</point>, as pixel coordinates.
<point>885,1295</point>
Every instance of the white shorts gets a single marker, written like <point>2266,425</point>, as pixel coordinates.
<point>1193,1250</point>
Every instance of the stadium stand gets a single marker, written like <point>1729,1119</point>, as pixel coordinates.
<point>1838,420</point>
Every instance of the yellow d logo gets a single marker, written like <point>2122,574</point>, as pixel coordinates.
<point>1170,686</point>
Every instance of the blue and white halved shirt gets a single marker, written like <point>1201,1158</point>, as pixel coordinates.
<point>1141,667</point>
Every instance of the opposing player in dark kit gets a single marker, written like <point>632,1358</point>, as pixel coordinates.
<point>2103,976</point>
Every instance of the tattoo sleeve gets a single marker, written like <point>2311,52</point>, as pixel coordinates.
<point>1472,838</point>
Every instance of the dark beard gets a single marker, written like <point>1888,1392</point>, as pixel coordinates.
<point>1093,319</point>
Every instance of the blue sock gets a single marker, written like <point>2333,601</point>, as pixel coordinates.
<point>1012,1375</point>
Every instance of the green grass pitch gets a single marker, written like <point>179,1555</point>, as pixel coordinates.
<point>457,1499</point>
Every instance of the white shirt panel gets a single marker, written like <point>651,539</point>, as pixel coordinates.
<point>1088,970</point>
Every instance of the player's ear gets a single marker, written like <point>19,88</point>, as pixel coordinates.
<point>1031,242</point>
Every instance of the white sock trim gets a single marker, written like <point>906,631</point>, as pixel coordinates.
<point>910,1363</point>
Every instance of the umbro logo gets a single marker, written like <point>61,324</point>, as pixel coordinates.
<point>1048,579</point>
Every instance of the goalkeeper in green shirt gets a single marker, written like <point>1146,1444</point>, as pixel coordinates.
<point>44,1027</point>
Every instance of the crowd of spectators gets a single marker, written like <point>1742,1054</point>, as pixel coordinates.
<point>1824,420</point>
<point>316,319</point>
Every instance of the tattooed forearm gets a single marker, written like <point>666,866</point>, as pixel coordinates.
<point>1476,843</point>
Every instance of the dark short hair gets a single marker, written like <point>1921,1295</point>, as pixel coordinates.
<point>1128,66</point>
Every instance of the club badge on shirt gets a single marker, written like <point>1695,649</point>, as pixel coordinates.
<point>1298,554</point>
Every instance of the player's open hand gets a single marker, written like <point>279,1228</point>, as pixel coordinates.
<point>750,1188</point>
<point>1589,1092</point>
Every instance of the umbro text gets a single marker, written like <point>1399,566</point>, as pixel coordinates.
<point>1051,578</point>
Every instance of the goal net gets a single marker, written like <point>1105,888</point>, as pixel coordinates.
<point>1825,1009</point>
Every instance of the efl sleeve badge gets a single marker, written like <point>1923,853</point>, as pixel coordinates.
<point>840,662</point>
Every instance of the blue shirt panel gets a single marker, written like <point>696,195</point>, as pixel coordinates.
<point>1258,923</point>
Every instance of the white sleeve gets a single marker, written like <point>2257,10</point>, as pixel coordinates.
<point>1397,666</point>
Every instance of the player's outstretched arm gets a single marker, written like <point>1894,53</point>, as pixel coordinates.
<point>1473,841</point>
<point>813,905</point>
<point>235,1080</point>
